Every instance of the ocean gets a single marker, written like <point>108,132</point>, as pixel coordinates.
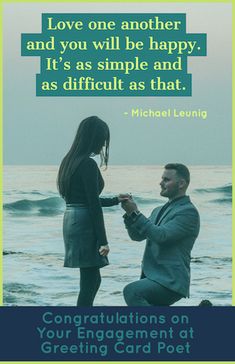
<point>33,251</point>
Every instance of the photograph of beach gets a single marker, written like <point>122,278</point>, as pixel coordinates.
<point>146,133</point>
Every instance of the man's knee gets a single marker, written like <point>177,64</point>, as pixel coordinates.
<point>129,294</point>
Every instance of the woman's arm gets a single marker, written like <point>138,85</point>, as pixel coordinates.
<point>122,197</point>
<point>90,176</point>
<point>107,201</point>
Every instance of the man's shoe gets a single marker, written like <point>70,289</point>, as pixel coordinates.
<point>205,303</point>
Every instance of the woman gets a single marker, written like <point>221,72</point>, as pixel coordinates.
<point>80,183</point>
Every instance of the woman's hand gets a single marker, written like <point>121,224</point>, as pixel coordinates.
<point>124,197</point>
<point>104,250</point>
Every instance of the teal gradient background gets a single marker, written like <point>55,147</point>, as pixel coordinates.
<point>39,130</point>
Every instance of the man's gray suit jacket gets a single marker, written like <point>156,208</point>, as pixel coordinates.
<point>169,243</point>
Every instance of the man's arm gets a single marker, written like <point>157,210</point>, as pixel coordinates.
<point>132,232</point>
<point>184,223</point>
<point>131,209</point>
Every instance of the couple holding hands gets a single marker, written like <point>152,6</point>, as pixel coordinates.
<point>170,232</point>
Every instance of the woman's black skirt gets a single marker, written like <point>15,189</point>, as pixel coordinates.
<point>81,246</point>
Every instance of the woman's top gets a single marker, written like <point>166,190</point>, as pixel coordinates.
<point>86,185</point>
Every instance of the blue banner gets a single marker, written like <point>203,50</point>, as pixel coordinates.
<point>117,334</point>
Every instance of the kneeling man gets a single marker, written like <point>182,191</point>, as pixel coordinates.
<point>170,233</point>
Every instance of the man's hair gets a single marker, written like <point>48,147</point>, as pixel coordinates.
<point>181,170</point>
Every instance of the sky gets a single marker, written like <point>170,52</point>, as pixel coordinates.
<point>40,130</point>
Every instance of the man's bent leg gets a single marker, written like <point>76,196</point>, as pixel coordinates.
<point>149,293</point>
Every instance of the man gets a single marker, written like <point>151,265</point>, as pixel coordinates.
<point>171,232</point>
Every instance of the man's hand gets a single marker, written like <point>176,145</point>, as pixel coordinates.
<point>129,206</point>
<point>104,250</point>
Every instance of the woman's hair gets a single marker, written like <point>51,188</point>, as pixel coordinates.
<point>92,135</point>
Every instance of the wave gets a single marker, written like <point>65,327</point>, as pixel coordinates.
<point>205,259</point>
<point>147,201</point>
<point>13,291</point>
<point>227,190</point>
<point>222,200</point>
<point>33,192</point>
<point>29,193</point>
<point>45,207</point>
<point>10,252</point>
<point>52,206</point>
